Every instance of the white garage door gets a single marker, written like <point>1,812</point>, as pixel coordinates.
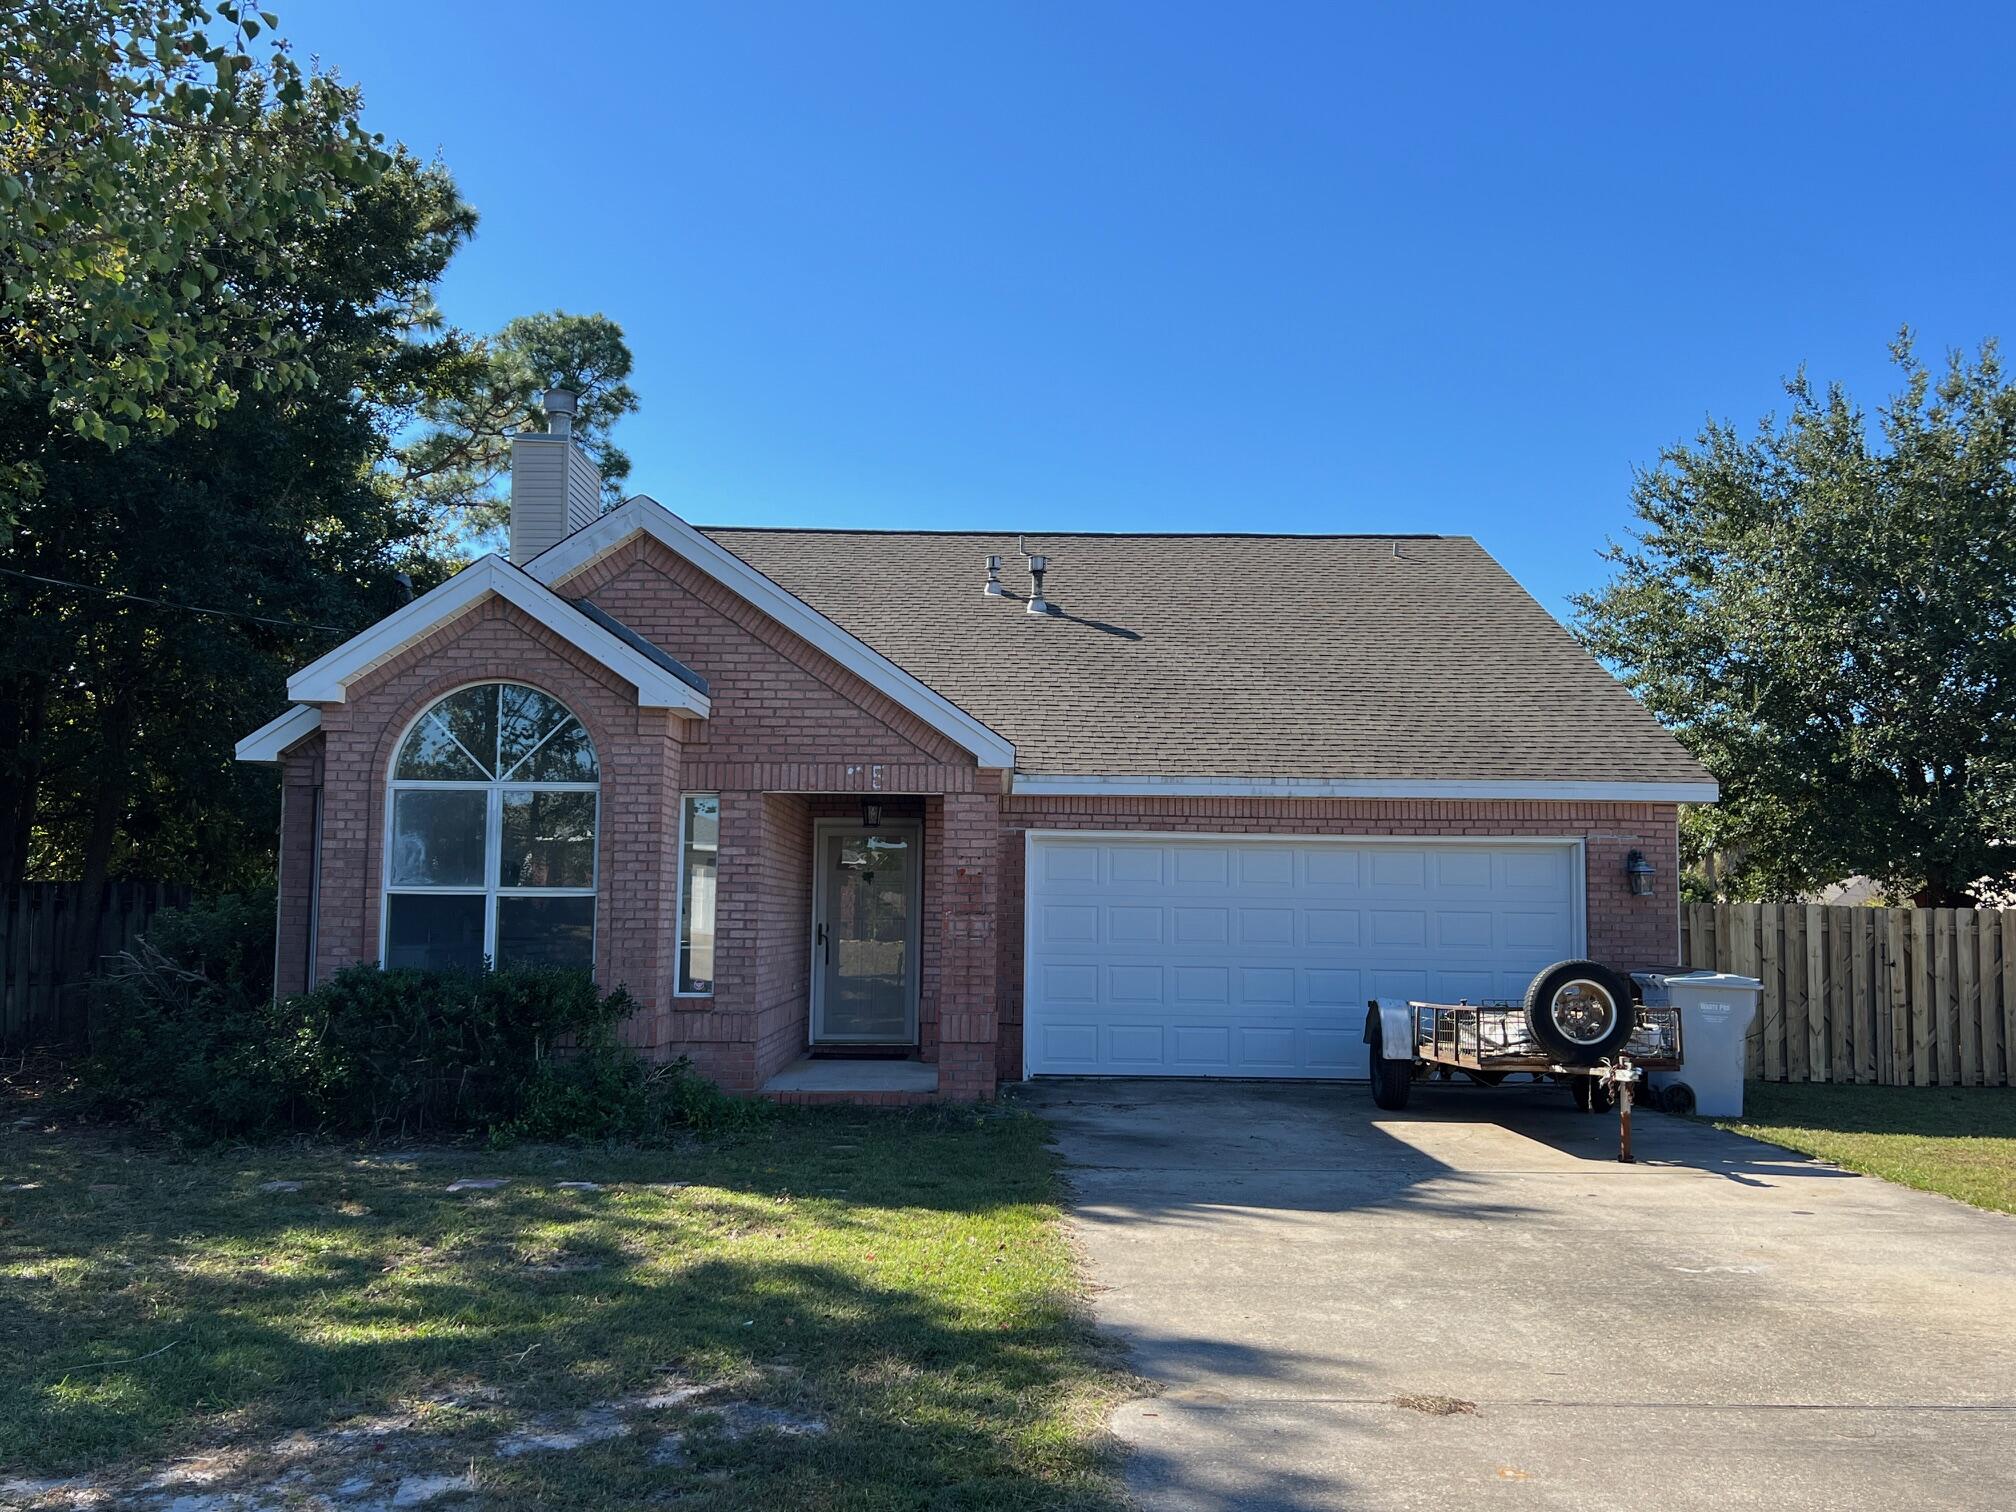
<point>1254,957</point>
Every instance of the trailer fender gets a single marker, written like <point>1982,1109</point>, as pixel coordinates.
<point>1396,1029</point>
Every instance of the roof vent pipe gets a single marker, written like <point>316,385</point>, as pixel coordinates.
<point>1038,565</point>
<point>994,588</point>
<point>559,404</point>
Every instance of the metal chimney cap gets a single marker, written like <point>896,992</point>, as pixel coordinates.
<point>560,405</point>
<point>994,588</point>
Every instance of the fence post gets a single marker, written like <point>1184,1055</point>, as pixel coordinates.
<point>1897,1002</point>
<point>1773,1008</point>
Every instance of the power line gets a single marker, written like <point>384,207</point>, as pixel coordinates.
<point>141,598</point>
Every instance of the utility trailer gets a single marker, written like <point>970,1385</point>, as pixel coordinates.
<point>1580,1023</point>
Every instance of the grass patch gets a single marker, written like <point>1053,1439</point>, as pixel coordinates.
<point>900,1280</point>
<point>1956,1141</point>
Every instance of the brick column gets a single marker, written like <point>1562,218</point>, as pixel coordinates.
<point>969,893</point>
<point>639,885</point>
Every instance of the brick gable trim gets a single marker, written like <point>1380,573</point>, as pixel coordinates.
<point>645,516</point>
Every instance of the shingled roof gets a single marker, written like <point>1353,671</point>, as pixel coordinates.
<point>1342,658</point>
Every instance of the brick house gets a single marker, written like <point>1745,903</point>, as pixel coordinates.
<point>868,815</point>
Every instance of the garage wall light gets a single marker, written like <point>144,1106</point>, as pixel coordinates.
<point>1639,873</point>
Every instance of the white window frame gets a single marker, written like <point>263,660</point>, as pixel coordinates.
<point>492,890</point>
<point>679,906</point>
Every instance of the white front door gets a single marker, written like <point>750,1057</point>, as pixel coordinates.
<point>1254,956</point>
<point>865,934</point>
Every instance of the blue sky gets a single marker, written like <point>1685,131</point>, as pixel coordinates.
<point>1208,267</point>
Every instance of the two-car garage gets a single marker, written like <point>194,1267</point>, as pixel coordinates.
<point>1251,955</point>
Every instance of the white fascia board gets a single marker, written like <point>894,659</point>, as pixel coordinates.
<point>270,741</point>
<point>1322,787</point>
<point>327,679</point>
<point>645,515</point>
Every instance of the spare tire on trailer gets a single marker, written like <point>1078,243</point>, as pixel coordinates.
<point>1580,1012</point>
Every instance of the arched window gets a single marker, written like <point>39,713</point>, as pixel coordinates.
<point>490,834</point>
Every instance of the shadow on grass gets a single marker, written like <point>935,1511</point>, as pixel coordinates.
<point>854,1270</point>
<point>1926,1112</point>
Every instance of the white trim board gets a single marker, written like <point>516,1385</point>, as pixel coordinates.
<point>327,679</point>
<point>270,741</point>
<point>644,515</point>
<point>1035,785</point>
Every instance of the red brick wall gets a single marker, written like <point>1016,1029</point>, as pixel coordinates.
<point>777,700</point>
<point>1633,934</point>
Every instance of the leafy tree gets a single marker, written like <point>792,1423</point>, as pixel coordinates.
<point>1828,620</point>
<point>155,177</point>
<point>117,717</point>
<point>457,453</point>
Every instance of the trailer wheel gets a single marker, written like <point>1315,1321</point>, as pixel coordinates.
<point>1594,1095</point>
<point>1392,1080</point>
<point>1580,1012</point>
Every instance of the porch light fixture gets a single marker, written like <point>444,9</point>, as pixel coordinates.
<point>1639,873</point>
<point>871,814</point>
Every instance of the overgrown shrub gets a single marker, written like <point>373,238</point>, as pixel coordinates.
<point>181,1026</point>
<point>185,1035</point>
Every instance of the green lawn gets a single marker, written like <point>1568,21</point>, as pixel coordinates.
<point>838,1310</point>
<point>1958,1141</point>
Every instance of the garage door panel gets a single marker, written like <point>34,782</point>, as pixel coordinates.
<point>1233,958</point>
<point>1135,985</point>
<point>1267,866</point>
<point>1070,863</point>
<point>1201,926</point>
<point>1069,924</point>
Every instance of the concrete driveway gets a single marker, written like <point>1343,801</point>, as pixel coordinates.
<point>1722,1325</point>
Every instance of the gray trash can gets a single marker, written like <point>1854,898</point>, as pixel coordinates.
<point>1716,1012</point>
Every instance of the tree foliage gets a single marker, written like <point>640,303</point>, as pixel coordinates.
<point>457,454</point>
<point>1827,618</point>
<point>118,717</point>
<point>155,175</point>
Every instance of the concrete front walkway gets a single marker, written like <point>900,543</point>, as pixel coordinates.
<point>1723,1325</point>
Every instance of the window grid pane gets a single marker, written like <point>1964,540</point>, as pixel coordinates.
<point>701,828</point>
<point>548,839</point>
<point>438,837</point>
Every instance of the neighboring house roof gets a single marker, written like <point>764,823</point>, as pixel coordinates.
<point>1305,665</point>
<point>661,683</point>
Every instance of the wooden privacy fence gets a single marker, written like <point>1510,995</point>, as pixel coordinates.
<point>45,958</point>
<point>1902,997</point>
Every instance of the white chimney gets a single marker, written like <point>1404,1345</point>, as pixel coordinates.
<point>556,488</point>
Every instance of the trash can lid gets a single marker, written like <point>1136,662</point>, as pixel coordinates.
<point>1713,979</point>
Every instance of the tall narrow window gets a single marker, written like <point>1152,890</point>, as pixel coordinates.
<point>490,844</point>
<point>699,844</point>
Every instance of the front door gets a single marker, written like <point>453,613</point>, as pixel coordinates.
<point>864,935</point>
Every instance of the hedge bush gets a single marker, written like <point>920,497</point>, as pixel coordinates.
<point>186,1035</point>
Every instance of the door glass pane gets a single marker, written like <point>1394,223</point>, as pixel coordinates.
<point>546,932</point>
<point>866,959</point>
<point>431,755</point>
<point>438,931</point>
<point>696,893</point>
<point>471,717</point>
<point>549,840</point>
<point>437,838</point>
